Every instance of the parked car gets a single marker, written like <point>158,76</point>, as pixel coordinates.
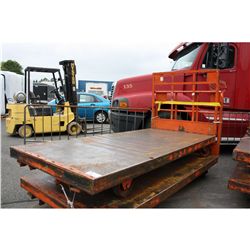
<point>91,106</point>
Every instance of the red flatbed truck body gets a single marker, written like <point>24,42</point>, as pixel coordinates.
<point>159,161</point>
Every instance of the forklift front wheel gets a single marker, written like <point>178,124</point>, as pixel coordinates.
<point>74,128</point>
<point>29,131</point>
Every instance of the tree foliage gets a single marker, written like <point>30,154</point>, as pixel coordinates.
<point>12,66</point>
<point>45,79</point>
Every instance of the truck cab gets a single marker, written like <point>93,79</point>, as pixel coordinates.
<point>231,59</point>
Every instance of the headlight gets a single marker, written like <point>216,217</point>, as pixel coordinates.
<point>123,104</point>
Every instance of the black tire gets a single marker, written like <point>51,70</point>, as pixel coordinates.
<point>74,128</point>
<point>101,117</point>
<point>29,131</point>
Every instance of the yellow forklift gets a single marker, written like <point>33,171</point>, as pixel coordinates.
<point>27,115</point>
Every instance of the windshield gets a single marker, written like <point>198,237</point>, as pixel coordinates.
<point>186,57</point>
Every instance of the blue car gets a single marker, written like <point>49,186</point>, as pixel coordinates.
<point>93,107</point>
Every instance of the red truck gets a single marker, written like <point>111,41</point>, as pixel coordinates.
<point>134,94</point>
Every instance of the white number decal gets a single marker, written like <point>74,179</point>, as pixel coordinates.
<point>128,86</point>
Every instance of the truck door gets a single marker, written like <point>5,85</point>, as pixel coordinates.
<point>232,125</point>
<point>224,59</point>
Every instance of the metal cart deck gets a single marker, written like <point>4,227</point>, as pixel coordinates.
<point>149,189</point>
<point>157,161</point>
<point>101,162</point>
<point>240,179</point>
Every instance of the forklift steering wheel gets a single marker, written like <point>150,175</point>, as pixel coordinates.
<point>53,90</point>
<point>58,96</point>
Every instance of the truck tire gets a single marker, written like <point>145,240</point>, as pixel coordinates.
<point>101,117</point>
<point>29,131</point>
<point>74,128</point>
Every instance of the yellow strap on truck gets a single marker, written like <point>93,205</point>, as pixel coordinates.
<point>207,104</point>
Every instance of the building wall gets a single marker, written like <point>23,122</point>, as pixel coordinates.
<point>82,84</point>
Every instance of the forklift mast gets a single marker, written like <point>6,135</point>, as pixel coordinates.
<point>69,69</point>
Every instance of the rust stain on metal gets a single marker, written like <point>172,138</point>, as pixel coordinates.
<point>240,179</point>
<point>149,189</point>
<point>242,151</point>
<point>197,174</point>
<point>122,156</point>
<point>154,202</point>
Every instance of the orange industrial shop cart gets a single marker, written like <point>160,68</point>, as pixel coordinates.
<point>240,179</point>
<point>142,167</point>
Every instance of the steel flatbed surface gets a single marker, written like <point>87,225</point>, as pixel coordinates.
<point>97,163</point>
<point>149,189</point>
<point>240,179</point>
<point>242,151</point>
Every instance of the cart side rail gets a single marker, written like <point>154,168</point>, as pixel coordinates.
<point>49,121</point>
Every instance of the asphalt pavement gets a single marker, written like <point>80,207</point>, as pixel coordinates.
<point>205,192</point>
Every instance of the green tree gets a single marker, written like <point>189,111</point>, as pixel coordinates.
<point>45,79</point>
<point>12,66</point>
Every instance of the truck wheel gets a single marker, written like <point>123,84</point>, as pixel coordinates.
<point>74,128</point>
<point>29,131</point>
<point>101,117</point>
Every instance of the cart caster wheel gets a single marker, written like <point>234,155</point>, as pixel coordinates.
<point>204,152</point>
<point>74,128</point>
<point>204,174</point>
<point>123,189</point>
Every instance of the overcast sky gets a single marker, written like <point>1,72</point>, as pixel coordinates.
<point>108,39</point>
<point>95,61</point>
